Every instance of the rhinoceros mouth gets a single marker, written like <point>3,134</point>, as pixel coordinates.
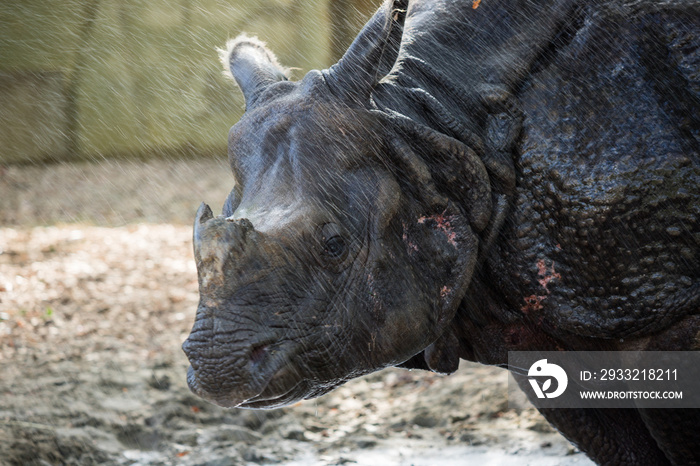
<point>285,388</point>
<point>265,381</point>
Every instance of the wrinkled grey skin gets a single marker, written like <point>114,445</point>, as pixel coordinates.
<point>463,183</point>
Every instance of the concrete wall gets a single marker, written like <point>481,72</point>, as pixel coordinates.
<point>86,79</point>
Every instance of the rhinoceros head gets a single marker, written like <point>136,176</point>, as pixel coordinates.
<point>335,255</point>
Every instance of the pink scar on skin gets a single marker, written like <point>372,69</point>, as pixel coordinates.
<point>443,223</point>
<point>409,244</point>
<point>534,302</point>
<point>547,275</point>
<point>444,292</point>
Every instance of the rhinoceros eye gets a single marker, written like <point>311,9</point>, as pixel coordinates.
<point>334,246</point>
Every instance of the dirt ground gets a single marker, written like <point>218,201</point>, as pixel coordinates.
<point>98,290</point>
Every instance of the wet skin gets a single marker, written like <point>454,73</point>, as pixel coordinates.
<point>463,183</point>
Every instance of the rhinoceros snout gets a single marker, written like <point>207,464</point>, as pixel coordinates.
<point>229,374</point>
<point>223,376</point>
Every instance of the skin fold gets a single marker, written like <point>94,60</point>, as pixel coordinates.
<point>464,182</point>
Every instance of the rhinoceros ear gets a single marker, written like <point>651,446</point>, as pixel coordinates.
<point>371,55</point>
<point>252,65</point>
<point>447,208</point>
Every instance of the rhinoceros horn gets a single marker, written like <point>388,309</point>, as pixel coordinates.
<point>371,56</point>
<point>203,215</point>
<point>219,236</point>
<point>220,243</point>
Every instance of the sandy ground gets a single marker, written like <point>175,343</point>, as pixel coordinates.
<point>98,289</point>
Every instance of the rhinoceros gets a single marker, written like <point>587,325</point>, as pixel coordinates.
<point>471,178</point>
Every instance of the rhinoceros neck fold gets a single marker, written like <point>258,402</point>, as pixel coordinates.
<point>461,80</point>
<point>459,66</point>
